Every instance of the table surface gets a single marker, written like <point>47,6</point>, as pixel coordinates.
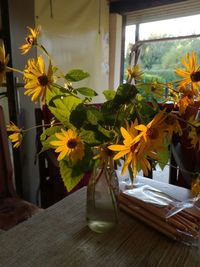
<point>59,236</point>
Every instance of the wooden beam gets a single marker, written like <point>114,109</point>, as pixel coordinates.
<point>125,6</point>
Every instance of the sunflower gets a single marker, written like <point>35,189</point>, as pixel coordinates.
<point>103,154</point>
<point>183,103</point>
<point>195,186</point>
<point>151,135</point>
<point>171,125</point>
<point>69,144</point>
<point>3,62</point>
<point>157,88</point>
<point>16,136</point>
<point>187,98</point>
<point>31,40</point>
<point>194,135</point>
<point>191,74</point>
<point>126,149</point>
<point>173,94</point>
<point>130,150</point>
<point>12,128</point>
<point>37,80</point>
<point>134,73</point>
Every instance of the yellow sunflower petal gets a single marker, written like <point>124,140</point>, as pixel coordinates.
<point>141,127</point>
<point>116,147</point>
<point>121,154</point>
<point>125,134</point>
<point>62,155</point>
<point>182,73</point>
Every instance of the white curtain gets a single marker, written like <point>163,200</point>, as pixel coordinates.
<point>76,35</point>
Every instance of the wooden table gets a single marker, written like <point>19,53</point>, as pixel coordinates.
<point>59,237</point>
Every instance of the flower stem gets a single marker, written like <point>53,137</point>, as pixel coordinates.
<point>130,173</point>
<point>41,47</point>
<point>113,197</point>
<point>16,70</point>
<point>39,126</point>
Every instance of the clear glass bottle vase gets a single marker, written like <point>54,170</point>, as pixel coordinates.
<point>102,198</point>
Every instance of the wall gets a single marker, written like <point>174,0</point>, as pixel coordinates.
<point>76,35</point>
<point>21,15</point>
<point>115,44</point>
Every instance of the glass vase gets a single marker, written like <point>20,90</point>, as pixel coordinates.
<point>102,199</point>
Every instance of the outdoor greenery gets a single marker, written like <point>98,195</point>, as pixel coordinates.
<point>157,59</point>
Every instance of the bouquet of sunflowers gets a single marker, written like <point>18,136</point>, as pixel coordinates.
<point>126,126</point>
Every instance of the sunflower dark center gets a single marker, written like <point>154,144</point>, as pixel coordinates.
<point>30,40</point>
<point>169,120</point>
<point>198,131</point>
<point>195,76</point>
<point>72,143</point>
<point>2,66</point>
<point>109,152</point>
<point>153,88</point>
<point>43,80</point>
<point>133,148</point>
<point>190,95</point>
<point>152,133</point>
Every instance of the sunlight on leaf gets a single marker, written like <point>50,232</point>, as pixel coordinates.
<point>76,75</point>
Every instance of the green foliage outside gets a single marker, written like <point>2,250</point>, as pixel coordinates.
<point>157,59</point>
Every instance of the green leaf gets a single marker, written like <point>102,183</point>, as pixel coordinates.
<point>163,158</point>
<point>93,115</point>
<point>109,94</point>
<point>109,117</point>
<point>125,93</point>
<point>95,135</point>
<point>91,137</point>
<point>76,75</point>
<point>144,108</point>
<point>46,143</point>
<point>107,106</point>
<point>86,91</point>
<point>107,133</point>
<point>62,105</point>
<point>69,176</point>
<point>78,116</point>
<point>72,174</point>
<point>50,131</point>
<point>49,135</point>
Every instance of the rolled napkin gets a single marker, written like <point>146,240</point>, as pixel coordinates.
<point>151,206</point>
<point>149,194</point>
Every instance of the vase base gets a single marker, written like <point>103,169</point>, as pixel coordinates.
<point>100,226</point>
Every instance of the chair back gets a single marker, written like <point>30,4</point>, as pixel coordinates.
<point>6,170</point>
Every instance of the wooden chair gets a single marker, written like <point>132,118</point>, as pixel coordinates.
<point>13,209</point>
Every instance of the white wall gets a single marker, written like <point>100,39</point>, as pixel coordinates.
<point>21,15</point>
<point>115,44</point>
<point>75,33</point>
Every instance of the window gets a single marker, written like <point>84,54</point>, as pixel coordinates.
<point>157,47</point>
<point>160,44</point>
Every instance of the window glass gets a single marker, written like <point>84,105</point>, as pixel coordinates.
<point>129,42</point>
<point>170,28</point>
<point>159,59</point>
<point>129,35</point>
